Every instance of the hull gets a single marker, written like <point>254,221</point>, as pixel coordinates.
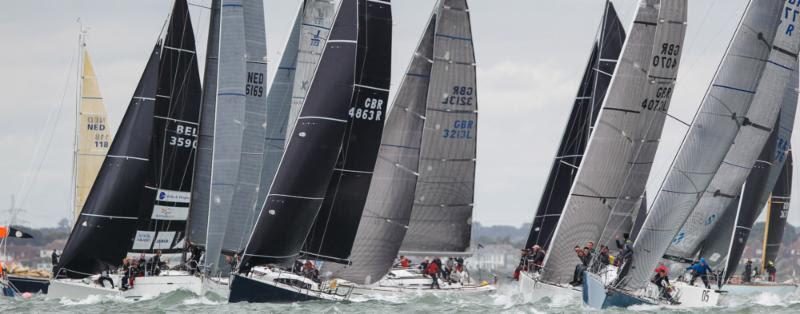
<point>144,287</point>
<point>534,290</point>
<point>598,296</point>
<point>275,286</point>
<point>29,284</point>
<point>217,286</point>
<point>751,289</point>
<point>411,281</point>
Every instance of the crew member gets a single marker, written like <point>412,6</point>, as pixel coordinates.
<point>747,275</point>
<point>536,258</point>
<point>577,276</point>
<point>771,271</point>
<point>433,271</point>
<point>662,281</point>
<point>700,269</point>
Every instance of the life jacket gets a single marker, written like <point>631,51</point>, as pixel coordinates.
<point>404,263</point>
<point>433,269</point>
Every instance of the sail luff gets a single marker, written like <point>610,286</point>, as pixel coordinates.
<point>609,186</point>
<point>778,213</point>
<point>229,124</point>
<point>588,101</point>
<point>441,219</point>
<point>198,222</point>
<point>708,140</point>
<point>93,133</point>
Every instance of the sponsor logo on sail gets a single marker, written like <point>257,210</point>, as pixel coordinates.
<point>170,212</point>
<point>143,240</point>
<point>164,240</point>
<point>173,196</point>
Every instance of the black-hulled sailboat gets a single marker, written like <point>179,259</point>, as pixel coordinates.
<point>326,167</point>
<point>139,203</point>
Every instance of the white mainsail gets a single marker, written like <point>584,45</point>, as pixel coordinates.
<point>92,134</point>
<point>609,186</point>
<point>756,127</point>
<point>720,117</point>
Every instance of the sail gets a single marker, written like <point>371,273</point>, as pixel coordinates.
<point>757,123</point>
<point>720,117</point>
<point>318,17</point>
<point>610,183</point>
<point>441,219</point>
<point>307,164</point>
<point>229,126</point>
<point>93,138</point>
<point>778,213</point>
<point>164,206</point>
<point>391,195</point>
<point>244,208</point>
<point>638,220</point>
<point>290,84</point>
<point>108,219</point>
<point>585,110</point>
<point>198,222</point>
<point>331,237</point>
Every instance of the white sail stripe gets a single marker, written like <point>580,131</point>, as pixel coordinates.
<point>379,1</point>
<point>321,118</point>
<point>143,98</point>
<point>178,49</point>
<point>176,120</point>
<point>296,196</point>
<point>353,171</point>
<point>270,256</point>
<point>127,157</point>
<point>371,87</point>
<point>163,96</point>
<point>109,216</point>
<point>344,41</point>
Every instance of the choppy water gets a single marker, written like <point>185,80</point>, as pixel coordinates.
<point>506,300</point>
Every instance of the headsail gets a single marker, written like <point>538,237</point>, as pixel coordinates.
<point>585,110</point>
<point>441,219</point>
<point>757,121</point>
<point>307,164</point>
<point>331,237</point>
<point>164,205</point>
<point>778,213</point>
<point>610,183</point>
<point>93,136</point>
<point>102,233</point>
<point>720,117</point>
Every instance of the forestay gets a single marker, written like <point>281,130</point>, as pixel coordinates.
<point>610,183</point>
<point>718,120</point>
<point>391,194</point>
<point>585,110</point>
<point>753,127</point>
<point>441,219</point>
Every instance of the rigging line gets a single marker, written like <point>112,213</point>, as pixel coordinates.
<point>676,119</point>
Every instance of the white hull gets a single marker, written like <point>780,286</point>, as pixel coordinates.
<point>600,296</point>
<point>693,296</point>
<point>408,281</point>
<point>756,288</point>
<point>144,287</point>
<point>220,287</point>
<point>533,289</point>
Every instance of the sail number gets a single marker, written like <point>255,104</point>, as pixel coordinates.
<point>371,111</point>
<point>791,13</point>
<point>255,84</point>
<point>461,96</point>
<point>462,129</point>
<point>781,148</point>
<point>181,140</point>
<point>668,57</point>
<point>660,102</point>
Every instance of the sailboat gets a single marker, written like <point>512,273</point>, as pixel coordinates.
<point>609,184</point>
<point>585,110</point>
<point>729,130</point>
<point>316,198</point>
<point>138,205</point>
<point>232,132</point>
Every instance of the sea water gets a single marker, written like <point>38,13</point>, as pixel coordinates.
<point>505,300</point>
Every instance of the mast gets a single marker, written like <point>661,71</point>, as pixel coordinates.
<point>78,100</point>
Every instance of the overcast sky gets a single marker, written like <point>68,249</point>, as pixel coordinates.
<point>530,53</point>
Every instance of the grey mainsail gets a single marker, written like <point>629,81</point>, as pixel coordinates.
<point>296,68</point>
<point>198,221</point>
<point>229,116</point>
<point>756,127</point>
<point>441,218</point>
<point>718,120</point>
<point>243,206</point>
<point>391,194</point>
<point>318,18</point>
<point>610,183</point>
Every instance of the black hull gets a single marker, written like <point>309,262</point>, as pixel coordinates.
<point>28,284</point>
<point>245,289</point>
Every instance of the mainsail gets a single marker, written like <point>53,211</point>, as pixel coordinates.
<point>585,111</point>
<point>441,217</point>
<point>93,137</point>
<point>778,213</point>
<point>306,167</point>
<point>102,233</point>
<point>289,87</point>
<point>331,237</point>
<point>757,122</point>
<point>722,115</point>
<point>164,205</point>
<point>610,183</point>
